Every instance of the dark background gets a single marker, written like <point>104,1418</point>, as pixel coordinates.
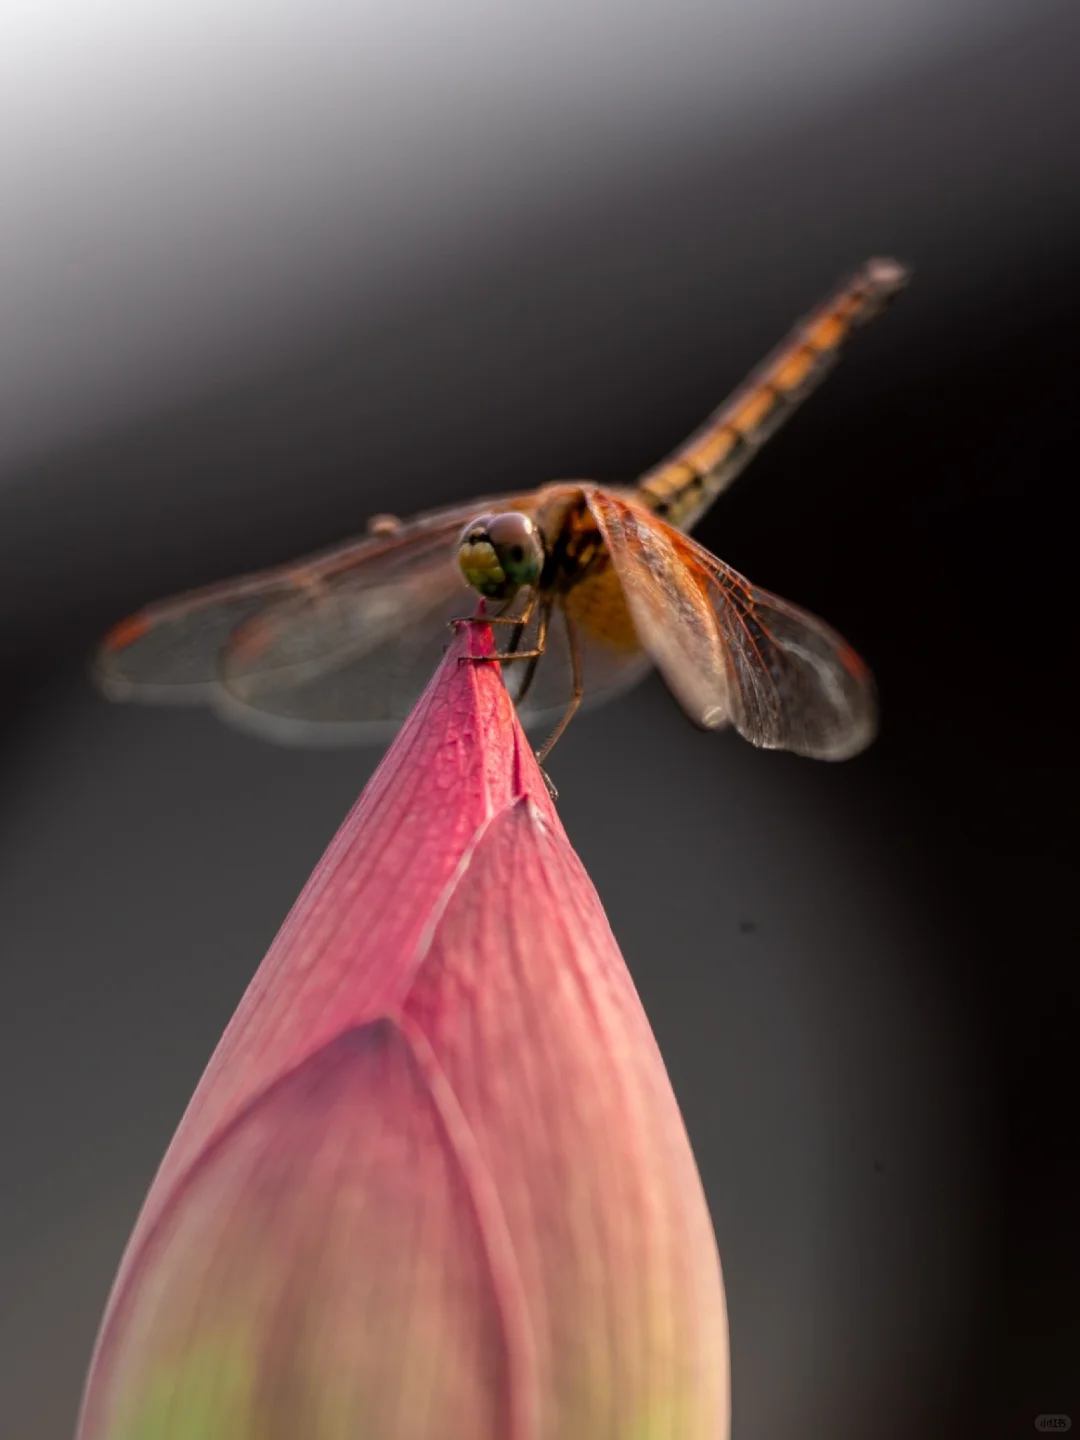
<point>255,294</point>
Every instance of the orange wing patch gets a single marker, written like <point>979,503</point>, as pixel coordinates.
<point>127,632</point>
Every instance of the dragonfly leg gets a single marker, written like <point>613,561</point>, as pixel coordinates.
<point>522,620</point>
<point>579,689</point>
<point>548,782</point>
<point>502,656</point>
<point>514,653</point>
<point>519,623</point>
<point>500,617</point>
<point>486,620</point>
<point>541,646</point>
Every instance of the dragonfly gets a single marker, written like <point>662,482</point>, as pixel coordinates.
<point>591,586</point>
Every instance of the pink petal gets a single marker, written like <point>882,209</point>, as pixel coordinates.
<point>434,1182</point>
<point>259,1306</point>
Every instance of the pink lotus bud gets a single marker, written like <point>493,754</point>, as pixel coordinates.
<point>434,1184</point>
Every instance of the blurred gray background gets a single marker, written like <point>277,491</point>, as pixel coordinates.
<point>268,268</point>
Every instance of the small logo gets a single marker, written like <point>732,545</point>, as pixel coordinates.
<point>1053,1424</point>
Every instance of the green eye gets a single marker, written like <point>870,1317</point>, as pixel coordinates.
<point>519,547</point>
<point>499,554</point>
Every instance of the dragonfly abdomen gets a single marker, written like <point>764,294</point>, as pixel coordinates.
<point>683,487</point>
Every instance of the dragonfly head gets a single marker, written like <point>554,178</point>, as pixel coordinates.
<point>498,554</point>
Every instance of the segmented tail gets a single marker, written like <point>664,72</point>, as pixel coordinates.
<point>683,487</point>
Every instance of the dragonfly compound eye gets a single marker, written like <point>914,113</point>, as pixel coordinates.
<point>500,553</point>
<point>518,545</point>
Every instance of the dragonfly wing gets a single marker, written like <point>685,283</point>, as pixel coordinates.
<point>673,617</point>
<point>731,652</point>
<point>168,653</point>
<point>332,639</point>
<point>344,666</point>
<point>361,696</point>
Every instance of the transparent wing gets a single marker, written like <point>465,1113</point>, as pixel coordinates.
<point>342,697</point>
<point>730,652</point>
<point>168,653</point>
<point>330,648</point>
